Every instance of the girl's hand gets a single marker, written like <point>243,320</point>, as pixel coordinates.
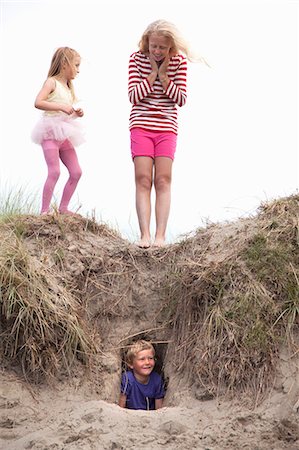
<point>153,75</point>
<point>154,64</point>
<point>67,109</point>
<point>79,112</point>
<point>162,72</point>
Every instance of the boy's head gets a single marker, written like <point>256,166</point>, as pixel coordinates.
<point>140,357</point>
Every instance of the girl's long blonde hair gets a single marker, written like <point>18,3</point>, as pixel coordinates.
<point>62,56</point>
<point>170,31</point>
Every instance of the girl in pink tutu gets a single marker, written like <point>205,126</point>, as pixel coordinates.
<point>58,131</point>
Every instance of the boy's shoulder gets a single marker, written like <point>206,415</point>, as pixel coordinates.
<point>155,376</point>
<point>129,376</point>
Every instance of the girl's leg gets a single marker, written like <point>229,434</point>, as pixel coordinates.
<point>51,154</point>
<point>162,181</point>
<point>69,158</point>
<point>143,180</point>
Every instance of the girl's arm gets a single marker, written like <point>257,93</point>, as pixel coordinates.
<point>42,103</point>
<point>158,403</point>
<point>122,400</point>
<point>153,75</point>
<point>162,73</point>
<point>176,89</point>
<point>139,88</point>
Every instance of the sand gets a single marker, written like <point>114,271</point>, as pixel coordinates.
<point>120,287</point>
<point>71,416</point>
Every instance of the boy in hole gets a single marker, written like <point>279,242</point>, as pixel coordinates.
<point>141,386</point>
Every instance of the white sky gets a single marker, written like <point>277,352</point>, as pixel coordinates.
<point>238,138</point>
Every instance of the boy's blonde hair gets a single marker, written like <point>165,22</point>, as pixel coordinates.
<point>137,347</point>
<point>168,30</point>
<point>62,56</point>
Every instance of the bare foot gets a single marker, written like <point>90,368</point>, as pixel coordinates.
<point>159,242</point>
<point>67,212</point>
<point>144,243</point>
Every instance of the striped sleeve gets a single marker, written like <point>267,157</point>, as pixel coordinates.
<point>177,88</point>
<point>139,87</point>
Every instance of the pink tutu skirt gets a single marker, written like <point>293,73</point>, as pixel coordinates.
<point>59,127</point>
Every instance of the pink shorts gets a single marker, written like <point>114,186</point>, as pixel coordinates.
<point>153,143</point>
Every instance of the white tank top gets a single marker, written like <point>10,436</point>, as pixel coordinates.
<point>61,94</point>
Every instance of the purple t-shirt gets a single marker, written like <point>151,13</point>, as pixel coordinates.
<point>141,396</point>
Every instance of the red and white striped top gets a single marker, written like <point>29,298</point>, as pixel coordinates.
<point>153,107</point>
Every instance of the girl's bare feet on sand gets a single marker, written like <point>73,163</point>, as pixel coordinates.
<point>47,213</point>
<point>144,243</point>
<point>67,212</point>
<point>159,242</point>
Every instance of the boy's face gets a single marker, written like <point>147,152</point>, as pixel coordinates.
<point>143,363</point>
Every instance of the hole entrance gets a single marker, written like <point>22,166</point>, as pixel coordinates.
<point>160,353</point>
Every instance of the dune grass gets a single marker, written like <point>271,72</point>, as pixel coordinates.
<point>232,314</point>
<point>41,326</point>
<point>15,200</point>
<point>228,299</point>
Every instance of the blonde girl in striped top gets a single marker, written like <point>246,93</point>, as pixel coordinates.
<point>157,86</point>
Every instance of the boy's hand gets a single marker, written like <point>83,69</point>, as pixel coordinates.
<point>158,403</point>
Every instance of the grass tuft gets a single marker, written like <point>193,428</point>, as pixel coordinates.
<point>15,201</point>
<point>237,303</point>
<point>40,324</point>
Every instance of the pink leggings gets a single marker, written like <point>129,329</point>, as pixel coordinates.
<point>53,152</point>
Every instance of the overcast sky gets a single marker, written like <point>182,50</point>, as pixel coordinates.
<point>238,132</point>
